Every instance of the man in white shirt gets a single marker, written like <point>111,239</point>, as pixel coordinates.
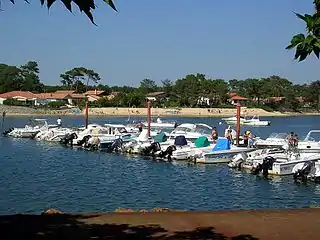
<point>59,121</point>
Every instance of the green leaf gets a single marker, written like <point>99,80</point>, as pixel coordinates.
<point>298,51</point>
<point>297,39</point>
<point>49,3</point>
<point>111,4</point>
<point>67,4</point>
<point>310,39</point>
<point>300,16</point>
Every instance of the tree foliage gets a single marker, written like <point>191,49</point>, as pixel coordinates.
<point>76,78</point>
<point>189,91</point>
<point>23,78</point>
<point>86,6</point>
<point>306,44</point>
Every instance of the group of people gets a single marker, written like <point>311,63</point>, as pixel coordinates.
<point>230,134</point>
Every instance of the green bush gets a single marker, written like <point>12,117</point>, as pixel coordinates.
<point>14,102</point>
<point>56,104</point>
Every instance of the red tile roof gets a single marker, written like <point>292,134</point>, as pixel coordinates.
<point>238,98</point>
<point>65,91</point>
<point>15,94</point>
<point>77,95</point>
<point>54,95</point>
<point>94,92</point>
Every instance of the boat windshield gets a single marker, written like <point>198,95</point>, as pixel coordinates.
<point>37,123</point>
<point>278,135</point>
<point>203,129</point>
<point>313,136</point>
<point>182,129</point>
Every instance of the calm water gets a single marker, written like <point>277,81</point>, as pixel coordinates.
<point>36,175</point>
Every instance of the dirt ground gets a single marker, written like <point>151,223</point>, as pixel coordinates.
<point>271,224</point>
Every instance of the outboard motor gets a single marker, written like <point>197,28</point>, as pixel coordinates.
<point>265,166</point>
<point>168,152</point>
<point>237,161</point>
<point>68,139</point>
<point>5,133</point>
<point>84,141</point>
<point>152,149</point>
<point>116,146</point>
<point>302,173</point>
<point>257,169</point>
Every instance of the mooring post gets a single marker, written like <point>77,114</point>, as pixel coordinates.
<point>238,122</point>
<point>87,114</point>
<point>149,117</point>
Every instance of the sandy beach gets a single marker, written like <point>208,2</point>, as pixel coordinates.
<point>182,112</point>
<point>252,224</point>
<point>162,112</point>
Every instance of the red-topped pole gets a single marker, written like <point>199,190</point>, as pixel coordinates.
<point>87,114</point>
<point>149,117</point>
<point>238,121</point>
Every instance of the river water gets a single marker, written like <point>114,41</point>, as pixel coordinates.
<point>35,176</point>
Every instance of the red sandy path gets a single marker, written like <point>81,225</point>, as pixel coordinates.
<point>268,224</point>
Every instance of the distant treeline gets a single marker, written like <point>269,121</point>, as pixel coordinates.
<point>274,92</point>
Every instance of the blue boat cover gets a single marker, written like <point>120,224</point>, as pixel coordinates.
<point>222,144</point>
<point>180,141</point>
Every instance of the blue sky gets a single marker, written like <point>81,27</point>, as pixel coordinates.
<point>159,39</point>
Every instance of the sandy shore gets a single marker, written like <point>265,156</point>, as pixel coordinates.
<point>182,112</point>
<point>267,224</point>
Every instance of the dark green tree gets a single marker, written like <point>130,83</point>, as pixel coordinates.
<point>10,78</point>
<point>148,85</point>
<point>72,78</point>
<point>31,80</point>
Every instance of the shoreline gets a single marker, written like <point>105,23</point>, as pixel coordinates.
<point>161,112</point>
<point>238,224</point>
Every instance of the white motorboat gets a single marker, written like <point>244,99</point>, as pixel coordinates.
<point>160,124</point>
<point>274,140</point>
<point>200,146</point>
<point>277,161</point>
<point>30,130</point>
<point>307,171</point>
<point>280,167</point>
<point>254,121</point>
<point>246,159</point>
<point>191,131</point>
<point>233,120</point>
<point>53,134</point>
<point>311,143</point>
<point>138,143</point>
<point>221,153</point>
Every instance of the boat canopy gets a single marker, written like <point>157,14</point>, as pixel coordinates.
<point>180,141</point>
<point>161,137</point>
<point>222,144</point>
<point>202,142</point>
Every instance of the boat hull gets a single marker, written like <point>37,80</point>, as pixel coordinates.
<point>223,156</point>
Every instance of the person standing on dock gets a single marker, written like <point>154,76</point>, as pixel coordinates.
<point>59,122</point>
<point>140,126</point>
<point>214,134</point>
